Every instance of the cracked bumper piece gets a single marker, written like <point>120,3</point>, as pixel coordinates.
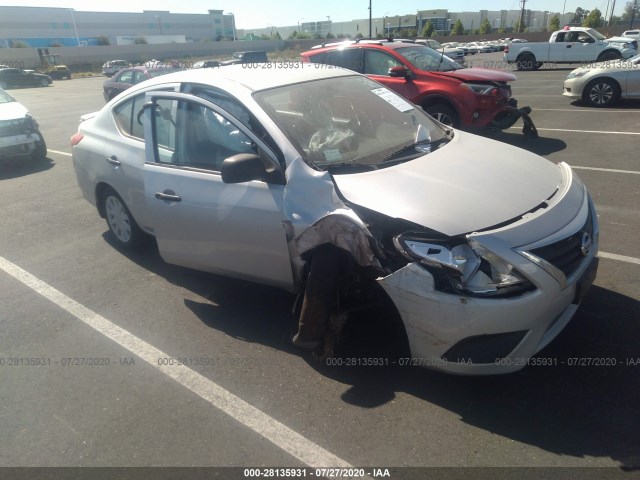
<point>477,336</point>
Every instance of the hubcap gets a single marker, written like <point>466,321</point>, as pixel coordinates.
<point>118,219</point>
<point>443,118</point>
<point>601,93</point>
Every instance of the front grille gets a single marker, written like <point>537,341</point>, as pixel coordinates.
<point>566,254</point>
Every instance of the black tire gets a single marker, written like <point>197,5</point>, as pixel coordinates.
<point>444,114</point>
<point>44,82</point>
<point>608,56</point>
<point>122,225</point>
<point>601,92</point>
<point>526,61</point>
<point>40,153</point>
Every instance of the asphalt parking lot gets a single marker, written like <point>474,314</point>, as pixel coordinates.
<point>106,324</point>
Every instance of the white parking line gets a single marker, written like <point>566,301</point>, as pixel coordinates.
<point>580,131</point>
<point>620,258</point>
<point>58,152</point>
<point>610,170</point>
<point>279,434</point>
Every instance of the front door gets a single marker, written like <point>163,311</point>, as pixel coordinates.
<point>198,220</point>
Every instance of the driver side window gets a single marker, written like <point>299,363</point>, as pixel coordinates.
<point>191,135</point>
<point>378,63</point>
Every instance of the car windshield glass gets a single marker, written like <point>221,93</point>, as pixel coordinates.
<point>595,34</point>
<point>5,97</point>
<point>351,123</point>
<point>425,58</point>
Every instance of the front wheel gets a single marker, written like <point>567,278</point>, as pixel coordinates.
<point>120,221</point>
<point>44,82</point>
<point>608,56</point>
<point>40,153</point>
<point>601,92</point>
<point>444,114</point>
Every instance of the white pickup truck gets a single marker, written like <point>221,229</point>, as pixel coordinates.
<point>569,45</point>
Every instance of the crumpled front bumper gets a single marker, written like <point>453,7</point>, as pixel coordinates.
<point>508,117</point>
<point>17,145</point>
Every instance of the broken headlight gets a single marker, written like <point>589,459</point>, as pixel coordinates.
<point>465,270</point>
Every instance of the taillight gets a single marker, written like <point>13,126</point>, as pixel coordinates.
<point>76,138</point>
<point>506,49</point>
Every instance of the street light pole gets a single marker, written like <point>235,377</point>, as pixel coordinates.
<point>75,28</point>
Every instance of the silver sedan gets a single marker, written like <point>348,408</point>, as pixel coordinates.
<point>323,182</point>
<point>603,84</point>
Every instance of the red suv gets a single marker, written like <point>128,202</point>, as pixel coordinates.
<point>454,95</point>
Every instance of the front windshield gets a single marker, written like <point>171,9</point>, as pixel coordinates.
<point>596,34</point>
<point>341,123</point>
<point>425,58</point>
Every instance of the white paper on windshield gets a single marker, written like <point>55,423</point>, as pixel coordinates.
<point>332,155</point>
<point>393,99</point>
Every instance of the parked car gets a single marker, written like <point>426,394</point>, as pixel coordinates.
<point>207,64</point>
<point>603,84</point>
<point>256,56</point>
<point>454,53</point>
<point>321,181</point>
<point>128,77</point>
<point>19,132</point>
<point>112,67</point>
<point>480,47</point>
<point>569,45</point>
<point>16,77</point>
<point>455,96</point>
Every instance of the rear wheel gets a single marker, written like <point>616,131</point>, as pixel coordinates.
<point>526,61</point>
<point>444,114</point>
<point>601,92</point>
<point>44,82</point>
<point>124,228</point>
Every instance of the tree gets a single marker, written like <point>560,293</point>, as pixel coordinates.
<point>516,26</point>
<point>579,15</point>
<point>103,40</point>
<point>485,26</point>
<point>594,19</point>
<point>330,35</point>
<point>428,29</point>
<point>628,11</point>
<point>458,28</point>
<point>555,23</point>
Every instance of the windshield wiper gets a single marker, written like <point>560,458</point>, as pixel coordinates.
<point>417,149</point>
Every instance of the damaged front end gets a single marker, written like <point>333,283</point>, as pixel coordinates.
<point>508,117</point>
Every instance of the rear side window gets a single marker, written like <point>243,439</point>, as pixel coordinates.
<point>349,58</point>
<point>126,117</point>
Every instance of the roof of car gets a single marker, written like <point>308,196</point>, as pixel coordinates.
<point>256,77</point>
<point>386,43</point>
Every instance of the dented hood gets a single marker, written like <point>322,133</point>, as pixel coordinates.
<point>469,184</point>
<point>480,74</point>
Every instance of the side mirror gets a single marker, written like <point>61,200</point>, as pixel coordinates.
<point>245,167</point>
<point>399,72</point>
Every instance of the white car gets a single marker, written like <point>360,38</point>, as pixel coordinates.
<point>320,181</point>
<point>19,132</point>
<point>603,84</point>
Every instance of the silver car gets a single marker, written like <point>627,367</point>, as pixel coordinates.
<point>323,182</point>
<point>603,84</point>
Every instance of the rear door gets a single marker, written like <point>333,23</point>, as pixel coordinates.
<point>198,220</point>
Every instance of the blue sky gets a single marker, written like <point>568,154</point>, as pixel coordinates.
<point>256,13</point>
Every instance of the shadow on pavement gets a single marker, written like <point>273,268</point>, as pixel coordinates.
<point>15,167</point>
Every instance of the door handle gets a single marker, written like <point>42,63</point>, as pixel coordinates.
<point>168,195</point>
<point>569,46</point>
<point>113,160</point>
